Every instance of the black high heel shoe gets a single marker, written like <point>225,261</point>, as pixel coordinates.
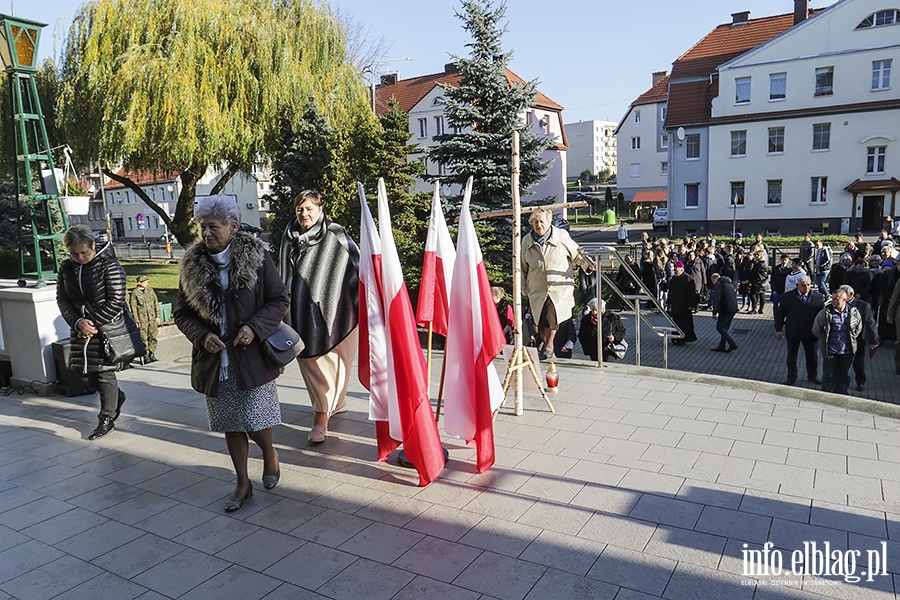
<point>270,481</point>
<point>233,504</point>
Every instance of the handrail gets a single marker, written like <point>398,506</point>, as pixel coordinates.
<point>666,331</point>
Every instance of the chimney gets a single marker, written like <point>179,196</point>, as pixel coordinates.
<point>450,68</point>
<point>389,79</point>
<point>801,11</point>
<point>740,18</point>
<point>659,75</point>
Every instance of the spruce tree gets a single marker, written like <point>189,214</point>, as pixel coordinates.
<point>485,109</point>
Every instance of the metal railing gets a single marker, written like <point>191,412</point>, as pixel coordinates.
<point>667,331</point>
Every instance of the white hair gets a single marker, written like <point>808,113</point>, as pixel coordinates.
<point>219,207</point>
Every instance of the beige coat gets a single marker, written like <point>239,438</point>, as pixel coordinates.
<point>551,270</point>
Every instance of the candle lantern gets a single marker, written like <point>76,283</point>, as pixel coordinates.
<point>552,378</point>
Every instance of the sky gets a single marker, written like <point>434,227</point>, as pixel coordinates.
<point>594,57</point>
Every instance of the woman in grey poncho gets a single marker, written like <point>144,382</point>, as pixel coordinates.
<point>320,266</point>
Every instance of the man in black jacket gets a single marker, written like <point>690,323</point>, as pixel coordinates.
<point>794,320</point>
<point>723,303</point>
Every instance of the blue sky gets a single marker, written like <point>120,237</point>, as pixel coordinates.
<point>592,57</point>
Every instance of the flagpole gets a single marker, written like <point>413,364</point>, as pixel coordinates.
<point>428,366</point>
<point>517,269</point>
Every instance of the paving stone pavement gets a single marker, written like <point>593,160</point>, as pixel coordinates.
<point>643,484</point>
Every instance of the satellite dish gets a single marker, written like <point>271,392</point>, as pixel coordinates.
<point>679,133</point>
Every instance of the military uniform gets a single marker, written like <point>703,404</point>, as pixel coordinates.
<point>145,307</point>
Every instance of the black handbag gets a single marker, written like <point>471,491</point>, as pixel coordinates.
<point>122,339</point>
<point>283,346</point>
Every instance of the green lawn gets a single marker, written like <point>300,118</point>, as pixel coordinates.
<point>163,277</point>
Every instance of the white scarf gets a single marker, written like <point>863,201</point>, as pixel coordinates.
<point>223,262</point>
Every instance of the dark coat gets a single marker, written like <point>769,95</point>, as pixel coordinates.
<point>758,277</point>
<point>795,318</point>
<point>779,275</point>
<point>837,276</point>
<point>722,298</point>
<point>610,324</point>
<point>860,281</point>
<point>255,297</point>
<point>697,274</point>
<point>320,268</point>
<point>682,294</point>
<point>869,333</point>
<point>100,297</point>
<point>729,268</point>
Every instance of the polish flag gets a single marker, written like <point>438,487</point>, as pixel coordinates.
<point>373,363</point>
<point>411,418</point>
<point>472,389</point>
<point>437,270</point>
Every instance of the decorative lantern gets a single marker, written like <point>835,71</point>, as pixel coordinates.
<point>552,378</point>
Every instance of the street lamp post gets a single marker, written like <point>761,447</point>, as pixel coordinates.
<point>370,69</point>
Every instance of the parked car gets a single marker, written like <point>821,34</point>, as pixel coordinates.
<point>251,229</point>
<point>661,219</point>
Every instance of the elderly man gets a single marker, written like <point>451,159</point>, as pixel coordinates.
<point>838,272</point>
<point>549,257</point>
<point>868,337</point>
<point>794,320</point>
<point>837,326</point>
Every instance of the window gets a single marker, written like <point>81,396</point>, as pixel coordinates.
<point>128,198</point>
<point>773,192</point>
<point>881,74</point>
<point>875,160</point>
<point>664,168</point>
<point>635,169</point>
<point>637,116</point>
<point>821,136</point>
<point>776,140</point>
<point>155,222</point>
<point>739,143</point>
<point>423,128</point>
<point>824,81</point>
<point>737,193</point>
<point>636,143</point>
<point>664,140</point>
<point>438,125</point>
<point>777,86</point>
<point>692,146</point>
<point>741,90</point>
<point>118,197</point>
<point>691,195</point>
<point>882,17</point>
<point>663,111</point>
<point>130,224</point>
<point>817,190</point>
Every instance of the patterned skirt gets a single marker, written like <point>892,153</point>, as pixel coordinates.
<point>243,410</point>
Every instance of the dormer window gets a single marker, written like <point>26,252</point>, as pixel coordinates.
<point>880,18</point>
<point>438,101</point>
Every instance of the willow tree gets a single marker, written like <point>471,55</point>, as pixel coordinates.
<point>186,85</point>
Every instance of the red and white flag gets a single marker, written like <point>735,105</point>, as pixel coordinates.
<point>472,389</point>
<point>437,270</point>
<point>410,415</point>
<point>373,363</point>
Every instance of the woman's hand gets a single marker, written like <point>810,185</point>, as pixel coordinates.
<point>244,336</point>
<point>213,344</point>
<point>610,338</point>
<point>85,328</point>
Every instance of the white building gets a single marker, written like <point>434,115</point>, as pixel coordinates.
<point>644,142</point>
<point>130,218</point>
<point>795,127</point>
<point>592,147</point>
<point>422,98</point>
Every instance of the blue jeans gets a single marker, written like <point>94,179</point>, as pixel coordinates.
<point>723,324</point>
<point>810,349</point>
<point>820,281</point>
<point>836,376</point>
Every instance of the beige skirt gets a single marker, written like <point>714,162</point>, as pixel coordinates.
<point>328,376</point>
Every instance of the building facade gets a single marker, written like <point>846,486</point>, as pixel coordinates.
<point>789,123</point>
<point>644,142</point>
<point>592,147</point>
<point>422,98</point>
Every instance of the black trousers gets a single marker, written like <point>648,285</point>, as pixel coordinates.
<point>107,386</point>
<point>859,362</point>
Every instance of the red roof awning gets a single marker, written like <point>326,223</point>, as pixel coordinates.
<point>656,196</point>
<point>873,185</point>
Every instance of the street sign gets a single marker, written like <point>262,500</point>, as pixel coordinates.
<point>141,221</point>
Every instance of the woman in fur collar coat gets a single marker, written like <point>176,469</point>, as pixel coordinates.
<point>230,299</point>
<point>320,265</point>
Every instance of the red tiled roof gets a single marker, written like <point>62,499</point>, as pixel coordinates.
<point>409,92</point>
<point>689,101</point>
<point>860,185</point>
<point>650,196</point>
<point>144,177</point>
<point>658,93</point>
